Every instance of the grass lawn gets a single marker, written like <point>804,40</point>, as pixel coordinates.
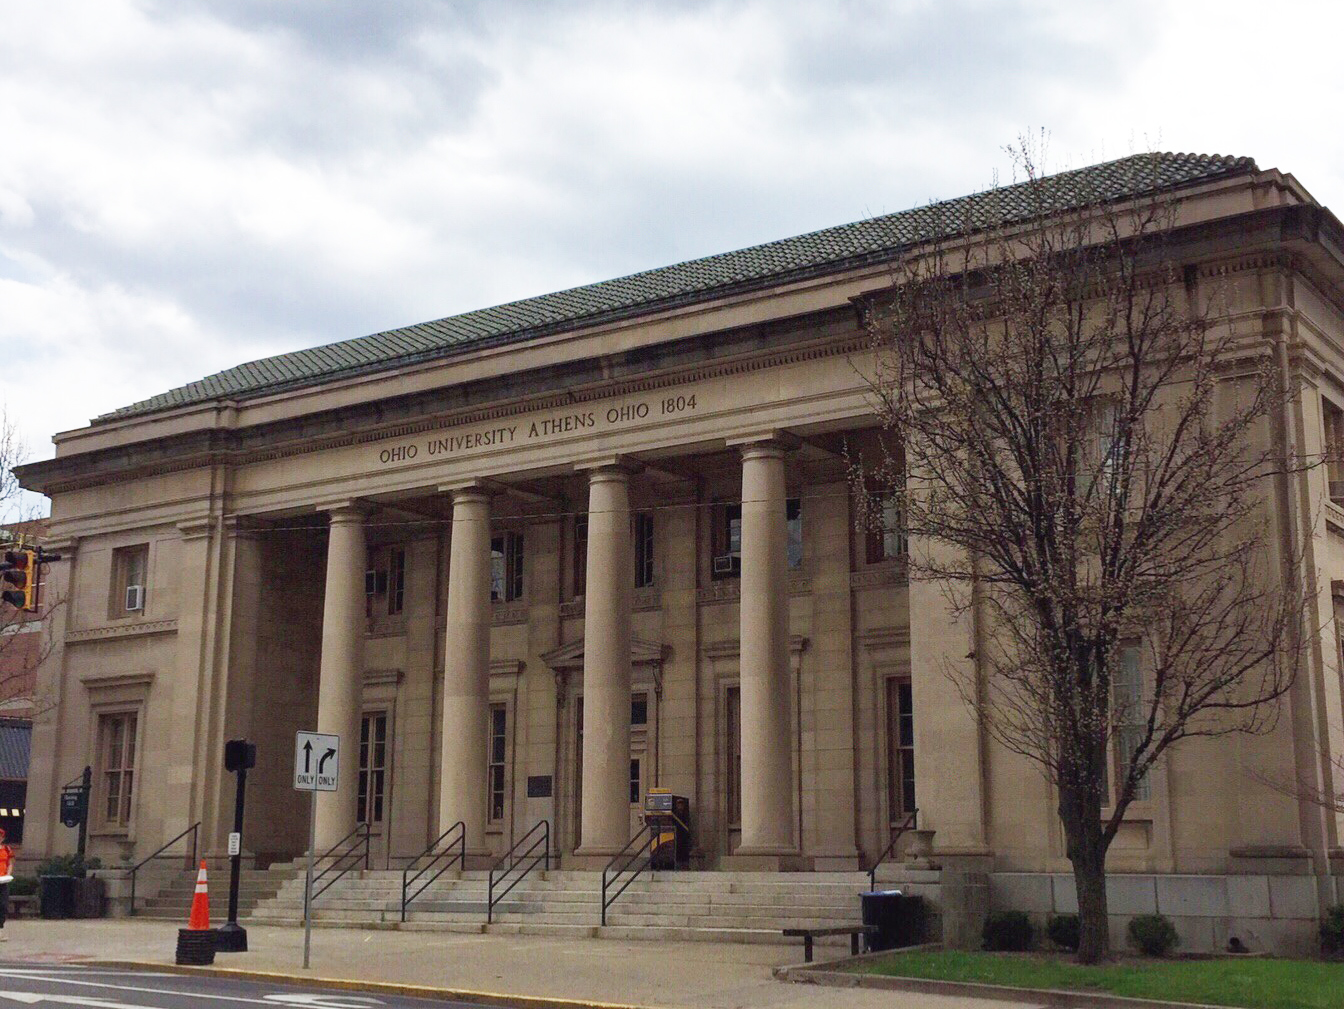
<point>1250,983</point>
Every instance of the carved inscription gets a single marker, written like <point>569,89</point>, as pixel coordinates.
<point>507,435</point>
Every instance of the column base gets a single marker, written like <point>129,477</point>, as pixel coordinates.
<point>767,860</point>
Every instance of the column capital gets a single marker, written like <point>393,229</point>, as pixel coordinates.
<point>467,490</point>
<point>346,509</point>
<point>773,442</point>
<point>612,465</point>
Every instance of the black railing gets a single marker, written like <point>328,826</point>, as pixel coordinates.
<point>190,860</point>
<point>342,862</point>
<point>524,854</point>
<point>907,824</point>
<point>639,850</point>
<point>455,837</point>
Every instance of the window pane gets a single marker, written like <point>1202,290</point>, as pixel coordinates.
<point>639,709</point>
<point>794,513</point>
<point>634,781</point>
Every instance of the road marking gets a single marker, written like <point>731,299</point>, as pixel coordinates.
<point>148,991</point>
<point>325,1001</point>
<point>97,1003</point>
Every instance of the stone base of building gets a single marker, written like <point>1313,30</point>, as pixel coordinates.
<point>767,860</point>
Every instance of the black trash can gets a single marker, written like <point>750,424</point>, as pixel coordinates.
<point>58,896</point>
<point>899,920</point>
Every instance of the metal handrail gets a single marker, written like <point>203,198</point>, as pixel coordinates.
<point>359,849</point>
<point>905,825</point>
<point>193,830</point>
<point>514,857</point>
<point>631,853</point>
<point>459,856</point>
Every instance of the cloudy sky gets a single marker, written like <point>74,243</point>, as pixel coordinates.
<point>188,184</point>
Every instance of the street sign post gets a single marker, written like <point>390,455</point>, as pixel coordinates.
<point>317,768</point>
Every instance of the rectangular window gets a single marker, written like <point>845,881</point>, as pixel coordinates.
<point>499,749</point>
<point>726,541</point>
<point>1129,716</point>
<point>639,709</point>
<point>886,533</point>
<point>396,580</point>
<point>733,750</point>
<point>1334,449</point>
<point>580,554</point>
<point>643,549</point>
<point>130,568</point>
<point>506,567</point>
<point>116,754</point>
<point>793,511</point>
<point>372,766</point>
<point>634,781</point>
<point>900,750</point>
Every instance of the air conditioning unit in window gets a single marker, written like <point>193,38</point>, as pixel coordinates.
<point>135,598</point>
<point>724,564</point>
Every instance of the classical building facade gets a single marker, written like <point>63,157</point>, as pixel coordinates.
<point>531,561</point>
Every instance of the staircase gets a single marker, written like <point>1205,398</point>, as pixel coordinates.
<point>173,902</point>
<point>684,906</point>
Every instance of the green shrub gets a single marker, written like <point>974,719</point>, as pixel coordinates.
<point>23,886</point>
<point>1063,931</point>
<point>1010,931</point>
<point>1153,934</point>
<point>68,865</point>
<point>1332,931</point>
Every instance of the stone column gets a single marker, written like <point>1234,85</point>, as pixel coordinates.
<point>605,812</point>
<point>341,674</point>
<point>466,669</point>
<point>767,737</point>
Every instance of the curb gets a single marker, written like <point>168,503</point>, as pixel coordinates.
<point>823,975</point>
<point>377,987</point>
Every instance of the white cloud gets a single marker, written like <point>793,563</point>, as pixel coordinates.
<point>186,185</point>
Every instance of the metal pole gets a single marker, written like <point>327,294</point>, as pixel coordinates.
<point>308,881</point>
<point>87,785</point>
<point>232,937</point>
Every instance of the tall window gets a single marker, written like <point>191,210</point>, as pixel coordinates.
<point>1334,449</point>
<point>634,781</point>
<point>1129,716</point>
<point>793,511</point>
<point>116,751</point>
<point>372,766</point>
<point>580,554</point>
<point>396,580</point>
<point>130,566</point>
<point>727,540</point>
<point>498,751</point>
<point>900,750</point>
<point>639,709</point>
<point>886,533</point>
<point>643,549</point>
<point>733,750</point>
<point>506,567</point>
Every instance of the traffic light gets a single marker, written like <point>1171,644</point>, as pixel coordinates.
<point>19,575</point>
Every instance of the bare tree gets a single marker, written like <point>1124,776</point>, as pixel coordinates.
<point>1084,452</point>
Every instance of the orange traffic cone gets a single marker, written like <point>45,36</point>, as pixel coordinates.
<point>200,903</point>
<point>196,942</point>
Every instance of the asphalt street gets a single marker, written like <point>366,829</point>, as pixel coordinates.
<point>94,988</point>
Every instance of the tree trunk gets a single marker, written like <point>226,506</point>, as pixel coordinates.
<point>1087,851</point>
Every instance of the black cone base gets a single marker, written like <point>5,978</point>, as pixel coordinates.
<point>196,946</point>
<point>231,938</point>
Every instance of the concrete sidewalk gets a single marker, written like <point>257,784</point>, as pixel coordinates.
<point>717,976</point>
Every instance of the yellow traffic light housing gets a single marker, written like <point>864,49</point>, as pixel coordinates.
<point>20,575</point>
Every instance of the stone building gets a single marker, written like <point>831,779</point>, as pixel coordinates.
<point>533,560</point>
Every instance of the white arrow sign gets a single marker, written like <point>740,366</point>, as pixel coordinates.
<point>97,1003</point>
<point>319,1000</point>
<point>317,761</point>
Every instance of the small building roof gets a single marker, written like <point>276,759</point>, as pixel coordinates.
<point>820,252</point>
<point>16,736</point>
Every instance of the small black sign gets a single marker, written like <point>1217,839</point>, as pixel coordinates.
<point>74,805</point>
<point>538,786</point>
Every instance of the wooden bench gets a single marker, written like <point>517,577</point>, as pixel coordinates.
<point>808,934</point>
<point>23,905</point>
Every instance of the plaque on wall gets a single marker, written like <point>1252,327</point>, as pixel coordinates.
<point>538,786</point>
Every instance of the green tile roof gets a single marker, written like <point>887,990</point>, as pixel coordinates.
<point>828,250</point>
